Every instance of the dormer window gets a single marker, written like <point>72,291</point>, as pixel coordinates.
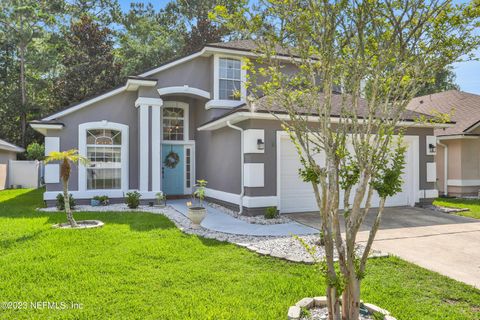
<point>230,79</point>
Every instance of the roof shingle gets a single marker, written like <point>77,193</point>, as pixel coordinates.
<point>269,104</point>
<point>464,108</point>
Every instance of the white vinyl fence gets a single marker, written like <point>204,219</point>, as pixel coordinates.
<point>25,174</point>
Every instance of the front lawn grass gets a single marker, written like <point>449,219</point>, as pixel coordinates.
<point>472,204</point>
<point>140,266</point>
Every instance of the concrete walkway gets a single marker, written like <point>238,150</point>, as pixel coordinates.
<point>441,242</point>
<point>219,221</point>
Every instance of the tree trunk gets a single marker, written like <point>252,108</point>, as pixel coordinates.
<point>23,90</point>
<point>66,200</point>
<point>351,299</point>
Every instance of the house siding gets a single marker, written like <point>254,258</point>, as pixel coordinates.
<point>196,73</point>
<point>463,165</point>
<point>225,175</point>
<point>120,109</point>
<point>217,153</point>
<point>269,158</point>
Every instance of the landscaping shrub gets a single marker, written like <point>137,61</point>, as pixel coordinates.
<point>103,200</point>
<point>133,199</point>
<point>271,213</point>
<point>35,151</point>
<point>60,204</point>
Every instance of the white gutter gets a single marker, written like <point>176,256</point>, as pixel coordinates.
<point>242,192</point>
<point>457,136</point>
<point>445,169</point>
<point>243,115</point>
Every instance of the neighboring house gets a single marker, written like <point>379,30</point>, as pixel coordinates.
<point>8,152</point>
<point>457,147</point>
<point>180,122</point>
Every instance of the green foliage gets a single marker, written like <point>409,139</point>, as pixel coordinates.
<point>149,38</point>
<point>358,64</point>
<point>310,173</point>
<point>132,199</point>
<point>25,31</point>
<point>472,204</point>
<point>104,200</point>
<point>72,50</point>
<point>271,213</point>
<point>349,172</point>
<point>60,202</point>
<point>441,81</point>
<point>35,151</point>
<point>66,158</point>
<point>199,192</point>
<point>387,181</point>
<point>200,278</point>
<point>89,64</point>
<point>160,196</point>
<point>378,316</point>
<point>305,313</point>
<point>196,17</point>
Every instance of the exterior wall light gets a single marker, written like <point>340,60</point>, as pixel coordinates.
<point>432,147</point>
<point>260,144</point>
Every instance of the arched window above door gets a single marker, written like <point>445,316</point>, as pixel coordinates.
<point>175,121</point>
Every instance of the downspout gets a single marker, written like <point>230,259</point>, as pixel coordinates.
<point>242,192</point>
<point>445,170</point>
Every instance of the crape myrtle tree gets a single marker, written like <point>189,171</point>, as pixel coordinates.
<point>358,65</point>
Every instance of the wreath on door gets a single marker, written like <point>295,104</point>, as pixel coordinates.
<point>171,160</point>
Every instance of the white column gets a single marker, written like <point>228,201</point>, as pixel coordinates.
<point>156,148</point>
<point>143,147</point>
<point>143,104</point>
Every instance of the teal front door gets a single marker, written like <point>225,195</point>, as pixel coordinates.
<point>173,178</point>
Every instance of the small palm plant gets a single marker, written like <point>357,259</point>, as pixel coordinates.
<point>67,158</point>
<point>200,191</point>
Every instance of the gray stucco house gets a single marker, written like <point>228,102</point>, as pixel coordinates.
<point>185,111</point>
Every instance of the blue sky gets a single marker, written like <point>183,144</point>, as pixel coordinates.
<point>468,73</point>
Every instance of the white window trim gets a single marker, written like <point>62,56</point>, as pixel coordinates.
<point>186,123</point>
<point>216,102</point>
<point>192,168</point>
<point>82,150</point>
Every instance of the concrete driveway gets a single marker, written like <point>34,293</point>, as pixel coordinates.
<point>441,242</point>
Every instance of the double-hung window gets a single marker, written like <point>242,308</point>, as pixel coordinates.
<point>230,79</point>
<point>104,149</point>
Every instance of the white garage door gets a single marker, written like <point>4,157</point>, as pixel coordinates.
<point>298,196</point>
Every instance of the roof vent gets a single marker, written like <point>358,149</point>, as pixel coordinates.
<point>421,101</point>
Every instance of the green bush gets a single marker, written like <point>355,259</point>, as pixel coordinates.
<point>103,199</point>
<point>61,202</point>
<point>35,151</point>
<point>271,213</point>
<point>132,199</point>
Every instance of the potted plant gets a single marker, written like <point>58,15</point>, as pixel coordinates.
<point>99,201</point>
<point>197,213</point>
<point>161,199</point>
<point>95,202</point>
